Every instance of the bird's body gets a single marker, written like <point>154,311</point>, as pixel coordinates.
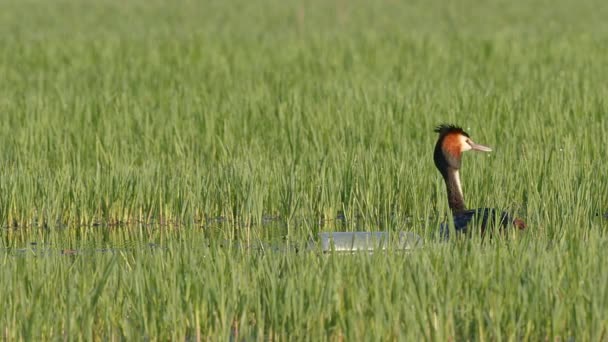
<point>452,142</point>
<point>485,218</point>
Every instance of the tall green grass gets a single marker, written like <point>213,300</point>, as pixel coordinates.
<point>122,112</point>
<point>525,289</point>
<point>121,120</point>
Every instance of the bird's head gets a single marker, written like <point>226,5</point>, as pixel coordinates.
<point>452,142</point>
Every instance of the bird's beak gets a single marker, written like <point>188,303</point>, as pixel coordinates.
<point>480,148</point>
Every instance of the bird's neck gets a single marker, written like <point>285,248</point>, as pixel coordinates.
<point>452,183</point>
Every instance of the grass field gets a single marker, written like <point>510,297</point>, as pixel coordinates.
<point>147,136</point>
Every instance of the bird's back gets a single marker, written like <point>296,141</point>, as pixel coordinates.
<point>484,218</point>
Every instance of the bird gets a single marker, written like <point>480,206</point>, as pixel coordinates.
<point>452,142</point>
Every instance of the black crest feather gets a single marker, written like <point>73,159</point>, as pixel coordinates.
<point>444,129</point>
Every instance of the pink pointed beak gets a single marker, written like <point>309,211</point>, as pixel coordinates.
<point>480,148</point>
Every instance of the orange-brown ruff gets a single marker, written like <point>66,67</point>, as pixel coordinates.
<point>452,142</point>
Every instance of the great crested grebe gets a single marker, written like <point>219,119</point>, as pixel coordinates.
<point>452,141</point>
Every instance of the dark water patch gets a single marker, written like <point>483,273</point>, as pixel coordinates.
<point>46,250</point>
<point>339,220</point>
<point>323,242</point>
<point>271,233</point>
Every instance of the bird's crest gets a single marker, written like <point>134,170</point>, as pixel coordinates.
<point>445,129</point>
